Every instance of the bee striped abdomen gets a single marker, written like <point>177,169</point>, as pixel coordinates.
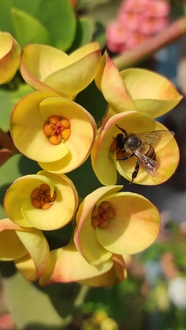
<point>149,151</point>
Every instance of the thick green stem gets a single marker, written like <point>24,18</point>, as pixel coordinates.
<point>173,32</point>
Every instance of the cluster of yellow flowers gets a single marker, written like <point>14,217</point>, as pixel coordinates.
<point>48,126</point>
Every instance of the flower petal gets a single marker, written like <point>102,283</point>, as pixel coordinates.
<point>167,154</point>
<point>27,247</point>
<point>34,265</point>
<point>78,75</point>
<point>131,121</point>
<point>108,76</point>
<point>27,123</point>
<point>95,253</point>
<point>135,89</point>
<point>83,130</point>
<point>38,62</point>
<point>11,247</point>
<point>68,265</point>
<point>26,215</point>
<point>116,274</point>
<point>19,192</point>
<point>167,151</point>
<point>150,92</point>
<point>9,57</point>
<point>58,72</point>
<point>135,226</point>
<point>101,160</point>
<point>27,268</point>
<point>61,212</point>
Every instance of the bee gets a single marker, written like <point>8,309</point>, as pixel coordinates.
<point>142,146</point>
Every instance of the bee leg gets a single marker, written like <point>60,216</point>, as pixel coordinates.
<point>136,170</point>
<point>121,129</point>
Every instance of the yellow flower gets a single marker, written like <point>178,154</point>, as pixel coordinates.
<point>111,222</point>
<point>135,89</point>
<point>9,57</point>
<point>49,69</point>
<point>155,160</point>
<point>44,200</point>
<point>68,265</point>
<point>54,131</point>
<point>27,247</point>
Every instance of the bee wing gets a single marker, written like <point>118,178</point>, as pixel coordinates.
<point>155,137</point>
<point>150,165</point>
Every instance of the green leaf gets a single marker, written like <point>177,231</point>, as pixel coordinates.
<point>60,20</point>
<point>6,23</point>
<point>53,22</point>
<point>57,16</point>
<point>87,31</point>
<point>87,27</point>
<point>13,169</point>
<point>39,308</point>
<point>2,212</point>
<point>8,100</point>
<point>93,101</point>
<point>84,33</point>
<point>84,179</point>
<point>28,29</point>
<point>99,34</point>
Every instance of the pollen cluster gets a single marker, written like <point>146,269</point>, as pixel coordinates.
<point>102,214</point>
<point>57,129</point>
<point>41,198</point>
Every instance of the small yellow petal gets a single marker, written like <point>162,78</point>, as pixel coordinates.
<point>9,57</point>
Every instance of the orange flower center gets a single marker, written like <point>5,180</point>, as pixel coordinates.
<point>102,214</point>
<point>57,129</point>
<point>41,198</point>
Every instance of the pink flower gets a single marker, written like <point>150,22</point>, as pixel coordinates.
<point>135,39</point>
<point>153,24</point>
<point>130,20</point>
<point>6,322</point>
<point>137,20</point>
<point>121,37</point>
<point>137,6</point>
<point>117,36</point>
<point>157,8</point>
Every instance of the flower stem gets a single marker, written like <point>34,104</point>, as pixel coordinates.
<point>170,34</point>
<point>80,299</point>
